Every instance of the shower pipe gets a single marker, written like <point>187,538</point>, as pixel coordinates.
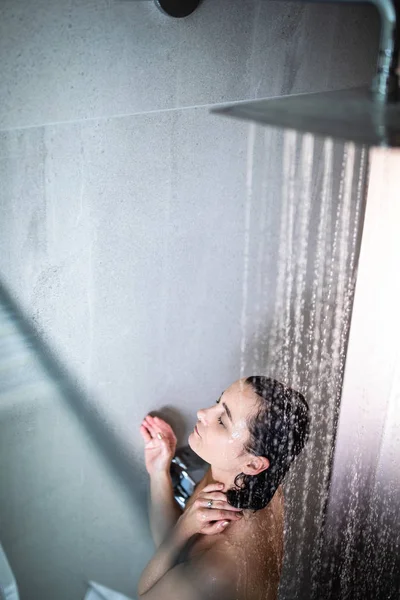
<point>385,86</point>
<point>386,83</point>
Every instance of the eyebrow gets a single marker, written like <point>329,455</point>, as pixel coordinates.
<point>228,412</point>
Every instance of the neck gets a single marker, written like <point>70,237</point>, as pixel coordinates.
<point>215,476</point>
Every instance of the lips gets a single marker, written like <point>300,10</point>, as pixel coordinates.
<point>197,431</point>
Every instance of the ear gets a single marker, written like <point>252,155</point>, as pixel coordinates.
<point>256,465</point>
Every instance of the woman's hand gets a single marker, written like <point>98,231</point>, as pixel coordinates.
<point>158,454</point>
<point>198,518</point>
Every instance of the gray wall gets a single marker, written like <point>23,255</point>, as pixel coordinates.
<point>122,231</point>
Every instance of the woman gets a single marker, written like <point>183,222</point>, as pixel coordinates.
<point>228,542</point>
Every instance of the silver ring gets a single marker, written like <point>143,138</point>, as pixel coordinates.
<point>209,504</point>
<point>160,436</point>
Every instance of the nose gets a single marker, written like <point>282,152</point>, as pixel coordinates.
<point>201,416</point>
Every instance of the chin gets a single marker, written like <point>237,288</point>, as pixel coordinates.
<point>191,437</point>
<point>193,446</point>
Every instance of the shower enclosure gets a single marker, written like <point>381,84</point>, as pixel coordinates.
<point>158,278</point>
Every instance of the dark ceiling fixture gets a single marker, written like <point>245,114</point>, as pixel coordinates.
<point>177,8</point>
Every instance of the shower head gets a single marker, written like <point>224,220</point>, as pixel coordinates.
<point>364,116</point>
<point>352,115</point>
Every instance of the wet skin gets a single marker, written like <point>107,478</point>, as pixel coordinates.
<point>254,545</point>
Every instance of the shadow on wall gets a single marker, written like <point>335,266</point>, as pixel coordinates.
<point>34,388</point>
<point>108,444</point>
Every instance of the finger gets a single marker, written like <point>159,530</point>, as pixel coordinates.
<point>153,425</point>
<point>167,438</point>
<point>218,514</point>
<point>150,426</point>
<point>219,497</point>
<point>220,504</point>
<point>209,516</point>
<point>213,487</point>
<point>214,528</point>
<point>161,423</point>
<point>146,426</point>
<point>165,427</point>
<point>152,436</point>
<point>216,495</point>
<point>145,434</point>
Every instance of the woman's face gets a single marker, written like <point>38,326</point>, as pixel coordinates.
<point>222,428</point>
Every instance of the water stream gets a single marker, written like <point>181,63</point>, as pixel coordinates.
<point>296,307</point>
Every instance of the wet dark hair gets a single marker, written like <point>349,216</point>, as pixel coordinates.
<point>278,431</point>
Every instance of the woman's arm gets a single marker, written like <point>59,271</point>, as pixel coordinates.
<point>164,559</point>
<point>209,577</point>
<point>164,510</point>
<point>160,447</point>
<point>170,575</point>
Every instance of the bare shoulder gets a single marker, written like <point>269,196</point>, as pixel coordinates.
<point>246,559</point>
<point>218,572</point>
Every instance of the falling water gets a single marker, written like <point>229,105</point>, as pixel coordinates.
<point>337,328</point>
<point>307,154</point>
<point>355,467</point>
<point>249,197</point>
<point>301,309</point>
<point>341,264</point>
<point>263,279</point>
<point>314,333</point>
<point>290,262</point>
<point>284,252</point>
<point>351,271</point>
<point>314,328</point>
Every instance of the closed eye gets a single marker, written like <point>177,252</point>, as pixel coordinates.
<point>219,418</point>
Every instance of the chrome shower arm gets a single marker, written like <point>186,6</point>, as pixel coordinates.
<point>386,82</point>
